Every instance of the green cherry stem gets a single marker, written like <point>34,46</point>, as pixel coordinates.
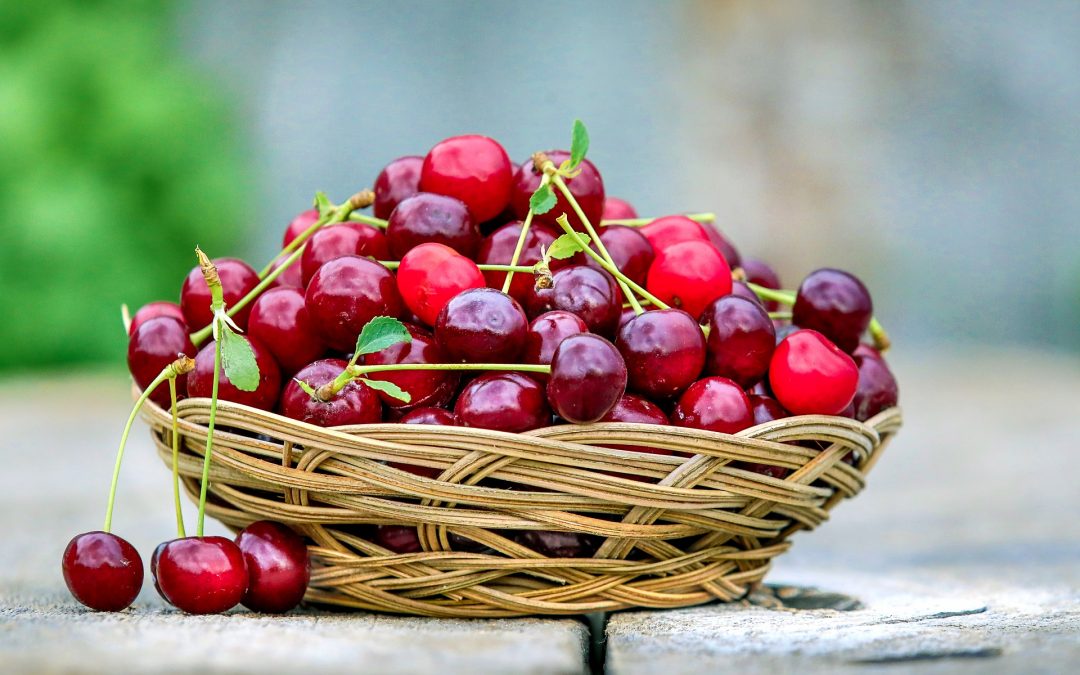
<point>638,222</point>
<point>524,234</point>
<point>354,372</point>
<point>368,220</point>
<point>327,216</point>
<point>180,533</point>
<point>780,315</point>
<point>209,439</point>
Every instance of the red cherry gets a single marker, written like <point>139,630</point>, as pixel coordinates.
<point>202,575</point>
<point>618,209</point>
<point>587,188</point>
<point>237,280</point>
<point>664,232</point>
<point>714,404</point>
<point>587,378</point>
<point>811,376</point>
<point>503,401</point>
<point>155,344</point>
<point>498,249</point>
<point>835,303</point>
<point>398,538</point>
<point>664,352</point>
<point>741,339</point>
<point>722,244</point>
<point>545,334</point>
<point>290,278</point>
<point>356,403</point>
<point>689,275</point>
<point>436,218</point>
<point>877,390</point>
<point>555,544</point>
<point>635,410</point>
<point>425,387</point>
<point>152,310</point>
<point>434,416</point>
<point>760,273</point>
<point>398,181</point>
<point>335,241</point>
<point>277,564</point>
<point>430,275</point>
<point>629,249</point>
<point>345,294</point>
<point>279,319</point>
<point>472,168</point>
<point>765,409</point>
<point>740,289</point>
<point>299,225</point>
<point>103,571</point>
<point>200,381</point>
<point>589,293</point>
<point>482,325</point>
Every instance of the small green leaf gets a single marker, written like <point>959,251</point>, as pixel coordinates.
<point>579,144</point>
<point>323,204</point>
<point>238,360</point>
<point>567,245</point>
<point>308,389</point>
<point>380,333</point>
<point>388,388</point>
<point>543,200</point>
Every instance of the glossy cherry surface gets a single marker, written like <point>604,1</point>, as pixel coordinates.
<point>504,401</point>
<point>498,249</point>
<point>290,277</point>
<point>877,389</point>
<point>200,381</point>
<point>299,225</point>
<point>689,275</point>
<point>810,375</point>
<point>722,244</point>
<point>425,387</point>
<point>399,180</point>
<point>427,217</point>
<point>588,376</point>
<point>202,575</point>
<point>279,319</point>
<point>664,352</point>
<point>154,345</point>
<point>740,289</point>
<point>430,275</point>
<point>836,304</point>
<point>152,310</point>
<point>714,404</point>
<point>587,188</point>
<point>237,280</point>
<point>636,410</point>
<point>591,294</point>
<point>472,168</point>
<point>482,325</point>
<point>664,232</point>
<point>630,251</point>
<point>741,339</point>
<point>335,241</point>
<point>345,294</point>
<point>761,273</point>
<point>618,209</point>
<point>103,571</point>
<point>427,415</point>
<point>545,333</point>
<point>277,564</point>
<point>398,538</point>
<point>356,403</point>
<point>554,544</point>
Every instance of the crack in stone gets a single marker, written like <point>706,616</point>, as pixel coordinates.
<point>984,653</point>
<point>938,615</point>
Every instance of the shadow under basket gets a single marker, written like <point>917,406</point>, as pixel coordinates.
<point>666,530</point>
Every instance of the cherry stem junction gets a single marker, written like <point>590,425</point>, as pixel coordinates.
<point>522,236</point>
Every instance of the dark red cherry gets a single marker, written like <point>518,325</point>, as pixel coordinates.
<point>345,294</point>
<point>669,230</point>
<point>356,403</point>
<point>504,401</point>
<point>759,272</point>
<point>741,339</point>
<point>398,538</point>
<point>395,183</point>
<point>430,275</point>
<point>689,275</point>
<point>425,387</point>
<point>201,380</point>
<point>299,225</point>
<point>766,409</point>
<point>836,304</point>
<point>472,168</point>
<point>587,188</point>
<point>588,376</point>
<point>237,280</point>
<point>290,277</point>
<point>498,249</point>
<point>152,310</point>
<point>664,351</point>
<point>338,240</point>
<point>877,389</point>
<point>811,376</point>
<point>554,544</point>
<point>279,319</point>
<point>546,332</point>
<point>103,571</point>
<point>425,218</point>
<point>277,564</point>
<point>155,344</point>
<point>428,415</point>
<point>625,315</point>
<point>589,293</point>
<point>740,289</point>
<point>630,251</point>
<point>636,410</point>
<point>202,575</point>
<point>618,209</point>
<point>714,404</point>
<point>722,244</point>
<point>482,325</point>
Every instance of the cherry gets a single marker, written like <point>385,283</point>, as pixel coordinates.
<point>760,273</point>
<point>345,294</point>
<point>587,188</point>
<point>482,325</point>
<point>202,575</point>
<point>765,409</point>
<point>103,571</point>
<point>200,381</point>
<point>714,404</point>
<point>356,403</point>
<point>291,277</point>
<point>664,232</point>
<point>588,376</point>
<point>436,416</point>
<point>581,290</point>
<point>625,315</point>
<point>277,564</point>
<point>629,249</point>
<point>618,209</point>
<point>630,408</point>
<point>784,330</point>
<point>398,538</point>
<point>425,387</point>
<point>153,568</point>
<point>427,217</point>
<point>430,275</point>
<point>338,240</point>
<point>740,289</point>
<point>877,389</point>
<point>689,275</point>
<point>723,244</point>
<point>545,333</point>
<point>836,304</point>
<point>237,280</point>
<point>664,351</point>
<point>810,375</point>
<point>498,249</point>
<point>279,319</point>
<point>472,168</point>
<point>154,345</point>
<point>504,401</point>
<point>152,310</point>
<point>741,339</point>
<point>398,181</point>
<point>554,544</point>
<point>299,225</point>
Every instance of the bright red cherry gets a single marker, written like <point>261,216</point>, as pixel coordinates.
<point>398,181</point>
<point>425,387</point>
<point>482,325</point>
<point>714,404</point>
<point>103,571</point>
<point>741,339</point>
<point>588,376</point>
<point>202,575</point>
<point>545,334</point>
<point>430,275</point>
<point>581,290</point>
<point>629,249</point>
<point>279,319</point>
<point>427,217</point>
<point>345,294</point>
<point>587,188</point>
<point>811,376</point>
<point>618,209</point>
<point>504,401</point>
<point>299,225</point>
<point>836,304</point>
<point>498,249</point>
<point>356,403</point>
<point>200,381</point>
<point>155,344</point>
<point>277,564</point>
<point>472,168</point>
<point>664,351</point>
<point>689,275</point>
<point>877,390</point>
<point>338,240</point>
<point>664,232</point>
<point>760,273</point>
<point>237,280</point>
<point>152,310</point>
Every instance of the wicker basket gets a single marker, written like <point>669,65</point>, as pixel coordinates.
<point>689,530</point>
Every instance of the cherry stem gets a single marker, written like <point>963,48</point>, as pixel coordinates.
<point>180,533</point>
<point>209,438</point>
<point>329,216</point>
<point>522,236</point>
<point>368,220</point>
<point>780,315</point>
<point>353,372</point>
<point>638,222</point>
<point>877,331</point>
<point>394,264</point>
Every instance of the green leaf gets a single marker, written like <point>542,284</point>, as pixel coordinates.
<point>323,204</point>
<point>380,333</point>
<point>567,245</point>
<point>238,360</point>
<point>579,143</point>
<point>543,200</point>
<point>388,388</point>
<point>308,389</point>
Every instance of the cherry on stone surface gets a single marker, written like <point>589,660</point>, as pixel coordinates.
<point>356,403</point>
<point>299,225</point>
<point>741,340</point>
<point>587,188</point>
<point>836,304</point>
<point>618,209</point>
<point>761,273</point>
<point>554,544</point>
<point>425,387</point>
<point>279,319</point>
<point>482,325</point>
<point>498,249</point>
<point>877,389</point>
<point>504,401</point>
<point>629,249</point>
<point>588,376</point>
<point>278,566</point>
<point>103,571</point>
<point>472,168</point>
<point>201,380</point>
<point>545,333</point>
<point>810,375</point>
<point>668,230</point>
<point>202,575</point>
<point>345,294</point>
<point>689,275</point>
<point>152,310</point>
<point>427,217</point>
<point>155,344</point>
<point>430,275</point>
<point>714,404</point>
<point>399,180</point>
<point>237,280</point>
<point>587,292</point>
<point>335,241</point>
<point>664,350</point>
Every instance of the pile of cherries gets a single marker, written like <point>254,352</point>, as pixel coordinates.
<point>654,321</point>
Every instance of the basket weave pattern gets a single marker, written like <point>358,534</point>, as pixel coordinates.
<point>688,530</point>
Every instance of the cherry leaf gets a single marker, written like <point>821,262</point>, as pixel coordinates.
<point>380,333</point>
<point>579,144</point>
<point>238,359</point>
<point>389,388</point>
<point>543,200</point>
<point>567,245</point>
